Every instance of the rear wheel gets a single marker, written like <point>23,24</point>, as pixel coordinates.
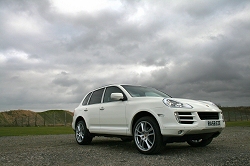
<point>82,134</point>
<point>147,136</point>
<point>199,142</point>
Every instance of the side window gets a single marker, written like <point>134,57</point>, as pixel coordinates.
<point>85,101</point>
<point>109,90</point>
<point>96,96</point>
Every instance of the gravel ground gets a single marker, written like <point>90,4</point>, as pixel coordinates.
<point>232,147</point>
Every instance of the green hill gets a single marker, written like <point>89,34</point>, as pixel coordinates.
<point>236,113</point>
<point>30,118</point>
<point>56,116</point>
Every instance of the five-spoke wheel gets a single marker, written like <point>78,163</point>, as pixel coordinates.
<point>147,136</point>
<point>82,134</point>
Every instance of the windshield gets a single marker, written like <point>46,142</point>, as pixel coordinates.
<point>139,91</point>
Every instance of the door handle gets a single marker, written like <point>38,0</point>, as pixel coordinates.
<point>102,108</point>
<point>85,109</point>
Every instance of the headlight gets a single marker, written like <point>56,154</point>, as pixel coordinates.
<point>176,104</point>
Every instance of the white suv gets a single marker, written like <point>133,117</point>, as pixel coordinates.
<point>147,116</point>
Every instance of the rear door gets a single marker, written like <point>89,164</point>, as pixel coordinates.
<point>93,110</point>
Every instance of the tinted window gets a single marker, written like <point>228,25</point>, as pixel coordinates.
<point>108,91</point>
<point>96,96</point>
<point>139,91</point>
<point>85,101</point>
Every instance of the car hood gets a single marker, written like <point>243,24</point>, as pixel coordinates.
<point>198,104</point>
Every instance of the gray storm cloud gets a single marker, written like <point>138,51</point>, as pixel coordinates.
<point>51,57</point>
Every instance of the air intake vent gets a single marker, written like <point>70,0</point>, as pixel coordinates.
<point>184,117</point>
<point>208,115</point>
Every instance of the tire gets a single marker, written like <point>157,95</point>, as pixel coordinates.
<point>199,142</point>
<point>82,134</point>
<point>147,136</point>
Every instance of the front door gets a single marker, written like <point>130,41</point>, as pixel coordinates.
<point>113,113</point>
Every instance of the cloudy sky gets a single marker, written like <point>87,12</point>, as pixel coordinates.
<point>53,52</point>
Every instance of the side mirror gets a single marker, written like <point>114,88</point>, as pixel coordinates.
<point>117,96</point>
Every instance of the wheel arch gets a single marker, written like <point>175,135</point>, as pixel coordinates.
<point>140,115</point>
<point>79,118</point>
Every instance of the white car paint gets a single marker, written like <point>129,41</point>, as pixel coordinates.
<point>116,117</point>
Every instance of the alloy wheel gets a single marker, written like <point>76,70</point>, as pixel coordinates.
<point>79,132</point>
<point>144,136</point>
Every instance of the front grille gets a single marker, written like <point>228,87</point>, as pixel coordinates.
<point>184,117</point>
<point>208,115</point>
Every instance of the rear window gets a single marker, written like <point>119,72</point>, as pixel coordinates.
<point>96,96</point>
<point>85,101</point>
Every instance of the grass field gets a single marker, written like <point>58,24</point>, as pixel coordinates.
<point>238,124</point>
<point>24,131</point>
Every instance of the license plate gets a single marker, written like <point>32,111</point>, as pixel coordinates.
<point>213,123</point>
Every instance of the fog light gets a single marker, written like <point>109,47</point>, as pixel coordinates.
<point>180,131</point>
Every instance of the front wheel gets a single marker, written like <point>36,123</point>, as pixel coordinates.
<point>199,142</point>
<point>83,137</point>
<point>147,136</point>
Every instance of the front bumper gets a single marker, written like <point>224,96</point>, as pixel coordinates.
<point>200,127</point>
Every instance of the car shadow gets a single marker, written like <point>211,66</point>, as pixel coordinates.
<point>115,144</point>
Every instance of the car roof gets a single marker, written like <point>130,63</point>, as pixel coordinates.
<point>108,85</point>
